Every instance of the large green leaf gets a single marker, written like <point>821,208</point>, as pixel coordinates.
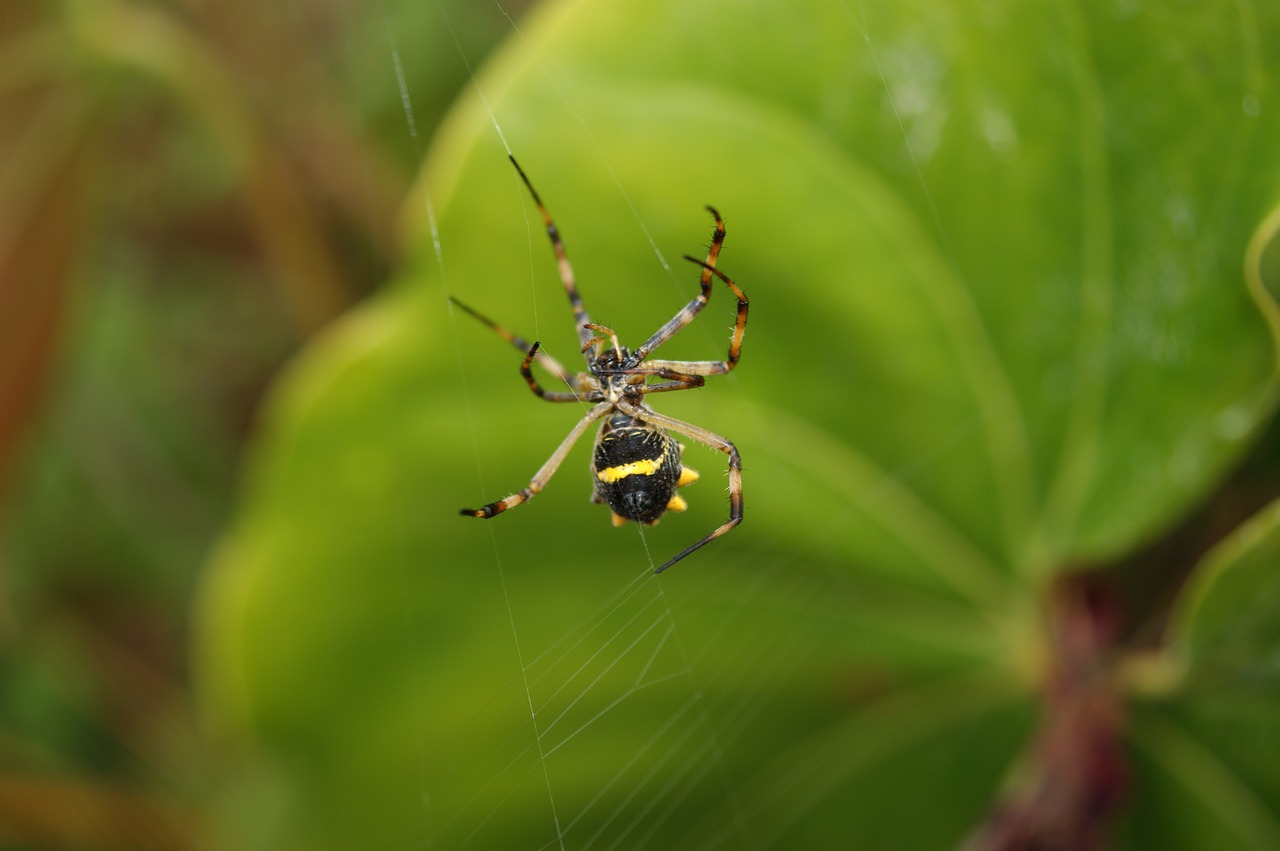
<point>1228,626</point>
<point>1209,752</point>
<point>1000,326</point>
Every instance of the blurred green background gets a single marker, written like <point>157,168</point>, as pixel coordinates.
<point>187,193</point>
<point>1009,381</point>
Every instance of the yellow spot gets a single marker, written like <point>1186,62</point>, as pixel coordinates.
<point>677,503</point>
<point>687,476</point>
<point>619,520</point>
<point>643,467</point>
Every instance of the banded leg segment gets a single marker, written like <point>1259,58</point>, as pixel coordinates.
<point>544,360</point>
<point>709,367</point>
<point>676,381</point>
<point>608,334</point>
<point>526,370</point>
<point>580,317</point>
<point>713,440</point>
<point>690,310</point>
<point>544,474</point>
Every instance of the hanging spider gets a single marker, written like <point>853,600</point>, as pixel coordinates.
<point>637,465</point>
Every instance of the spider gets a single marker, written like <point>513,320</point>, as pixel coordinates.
<point>637,465</point>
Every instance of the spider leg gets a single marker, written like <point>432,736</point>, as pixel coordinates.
<point>676,368</point>
<point>708,367</point>
<point>580,318</point>
<point>668,386</point>
<point>607,332</point>
<point>578,384</point>
<point>544,360</point>
<point>713,440</point>
<point>694,307</point>
<point>544,474</point>
<point>676,381</point>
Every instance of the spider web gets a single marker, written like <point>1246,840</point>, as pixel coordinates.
<point>627,652</point>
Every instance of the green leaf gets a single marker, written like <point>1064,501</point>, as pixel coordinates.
<point>1228,624</point>
<point>1205,774</point>
<point>999,326</point>
<point>1206,757</point>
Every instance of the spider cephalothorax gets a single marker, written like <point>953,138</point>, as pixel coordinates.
<point>636,465</point>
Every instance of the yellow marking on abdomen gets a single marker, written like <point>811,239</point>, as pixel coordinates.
<point>643,467</point>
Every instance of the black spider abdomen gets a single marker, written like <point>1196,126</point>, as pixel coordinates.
<point>637,468</point>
